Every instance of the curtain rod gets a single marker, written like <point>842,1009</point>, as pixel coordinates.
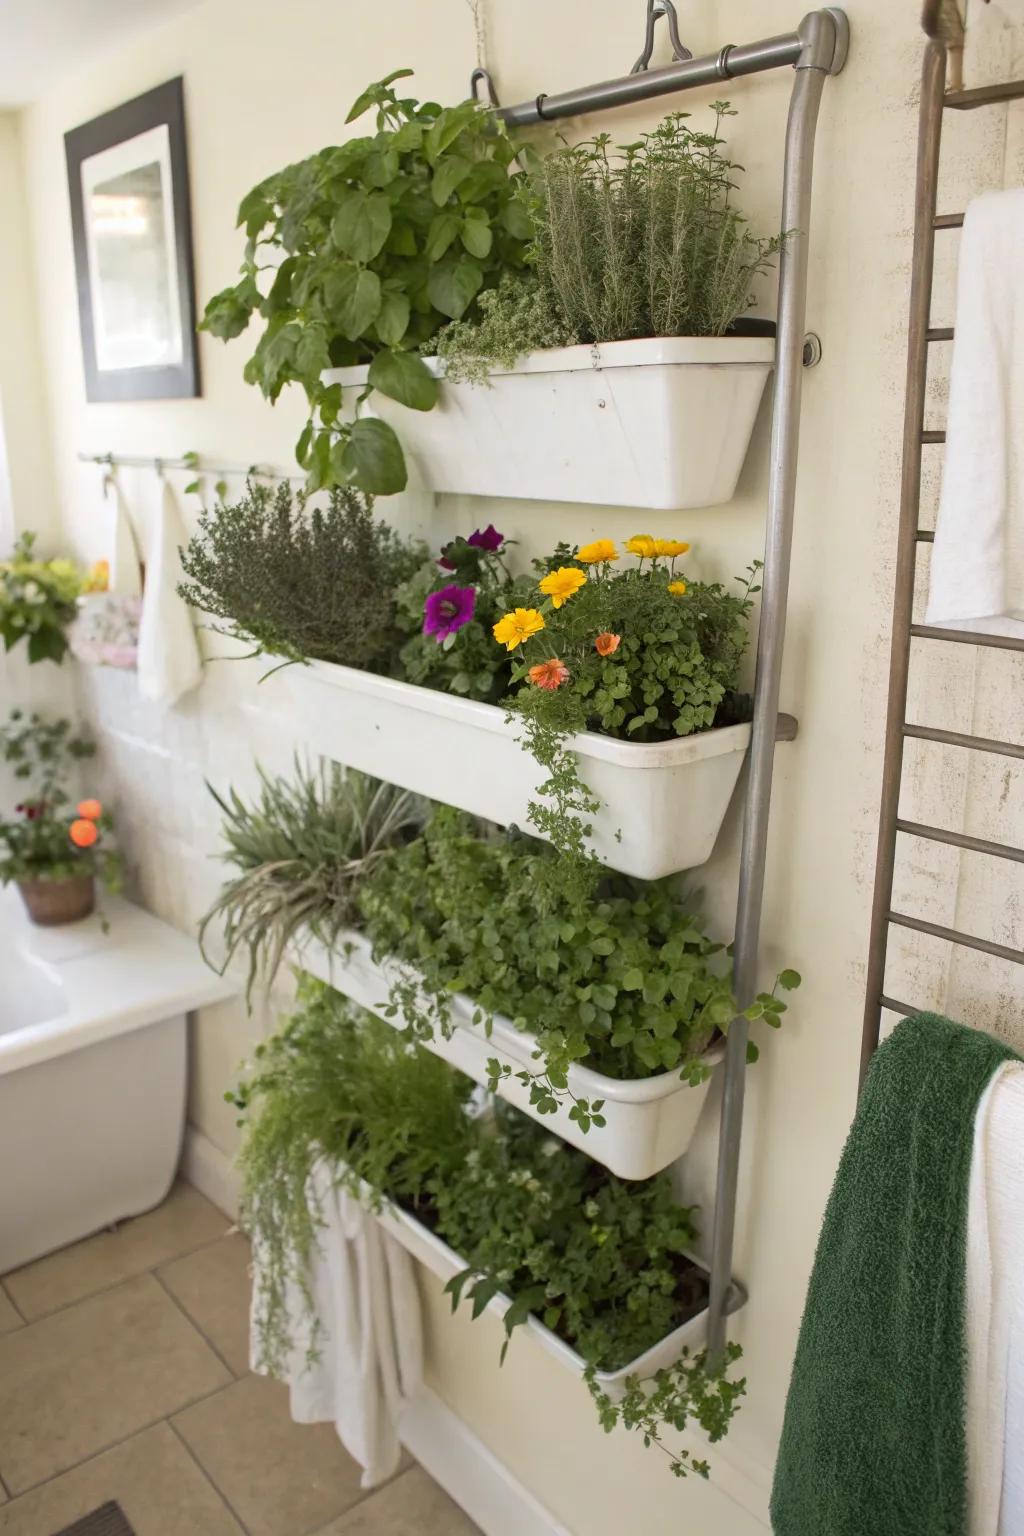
<point>821,41</point>
<point>194,464</point>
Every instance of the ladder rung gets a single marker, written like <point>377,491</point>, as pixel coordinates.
<point>933,437</point>
<point>926,536</point>
<point>968,637</point>
<point>895,1007</point>
<point>948,221</point>
<point>984,95</point>
<point>958,739</point>
<point>953,936</point>
<point>939,333</point>
<point>961,840</point>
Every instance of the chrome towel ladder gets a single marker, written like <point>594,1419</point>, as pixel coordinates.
<point>944,31</point>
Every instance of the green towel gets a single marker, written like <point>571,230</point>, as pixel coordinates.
<point>873,1440</point>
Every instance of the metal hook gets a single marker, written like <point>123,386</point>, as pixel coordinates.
<point>656,8</point>
<point>480,74</point>
<point>158,465</point>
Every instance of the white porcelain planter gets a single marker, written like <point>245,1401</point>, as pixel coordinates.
<point>661,804</point>
<point>443,1262</point>
<point>650,1120</point>
<point>662,423</point>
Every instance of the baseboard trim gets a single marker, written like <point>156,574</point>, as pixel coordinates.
<point>211,1171</point>
<point>470,1473</point>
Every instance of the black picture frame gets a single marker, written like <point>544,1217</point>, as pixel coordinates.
<point>163,106</point>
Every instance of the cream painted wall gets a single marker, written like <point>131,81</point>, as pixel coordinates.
<point>260,93</point>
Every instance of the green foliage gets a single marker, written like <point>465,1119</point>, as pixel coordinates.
<point>600,1261</point>
<point>642,239</point>
<point>37,601</point>
<point>336,1084</point>
<point>301,847</point>
<point>299,581</point>
<point>626,983</point>
<point>515,318</point>
<point>35,841</point>
<point>382,241</point>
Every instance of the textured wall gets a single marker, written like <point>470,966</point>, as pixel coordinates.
<point>258,96</point>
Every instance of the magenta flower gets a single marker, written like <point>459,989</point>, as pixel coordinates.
<point>487,538</point>
<point>447,611</point>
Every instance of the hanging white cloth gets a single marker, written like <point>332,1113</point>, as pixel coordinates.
<point>368,1356</point>
<point>977,566</point>
<point>995,1310</point>
<point>170,663</point>
<point>122,551</point>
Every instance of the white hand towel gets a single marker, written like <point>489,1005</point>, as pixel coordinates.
<point>125,575</point>
<point>368,1340</point>
<point>995,1310</point>
<point>977,567</point>
<point>170,662</point>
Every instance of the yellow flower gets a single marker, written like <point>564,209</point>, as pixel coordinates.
<point>518,626</point>
<point>670,548</point>
<point>98,579</point>
<point>598,552</point>
<point>561,584</point>
<point>643,545</point>
<point>677,588</point>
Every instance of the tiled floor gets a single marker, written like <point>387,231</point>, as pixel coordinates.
<point>124,1375</point>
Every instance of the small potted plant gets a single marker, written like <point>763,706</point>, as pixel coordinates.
<point>52,851</point>
<point>38,601</point>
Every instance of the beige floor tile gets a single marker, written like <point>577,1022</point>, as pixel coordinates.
<point>282,1479</point>
<point>74,1383</point>
<point>9,1317</point>
<point>413,1505</point>
<point>152,1477</point>
<point>213,1287</point>
<point>183,1222</point>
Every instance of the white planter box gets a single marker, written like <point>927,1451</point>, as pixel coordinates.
<point>661,423</point>
<point>650,1120</point>
<point>661,804</point>
<point>442,1261</point>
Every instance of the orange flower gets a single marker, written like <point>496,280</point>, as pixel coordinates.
<point>90,809</point>
<point>83,833</point>
<point>606,644</point>
<point>549,674</point>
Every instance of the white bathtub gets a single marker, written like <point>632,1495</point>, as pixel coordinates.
<point>92,1070</point>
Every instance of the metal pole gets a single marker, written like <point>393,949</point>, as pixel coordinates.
<point>729,62</point>
<point>817,59</point>
<point>933,81</point>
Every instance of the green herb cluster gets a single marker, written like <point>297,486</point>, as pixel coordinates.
<point>383,240</point>
<point>619,977</point>
<point>628,241</point>
<point>598,1260</point>
<point>301,848</point>
<point>37,601</point>
<point>301,581</point>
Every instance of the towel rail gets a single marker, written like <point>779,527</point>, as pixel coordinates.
<point>942,51</point>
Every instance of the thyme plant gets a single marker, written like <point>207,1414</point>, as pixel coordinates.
<point>299,581</point>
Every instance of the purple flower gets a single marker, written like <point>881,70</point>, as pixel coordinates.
<point>448,610</point>
<point>487,538</point>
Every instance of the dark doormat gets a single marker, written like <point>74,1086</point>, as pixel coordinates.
<point>108,1520</point>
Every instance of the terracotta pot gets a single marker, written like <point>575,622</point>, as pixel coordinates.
<point>52,902</point>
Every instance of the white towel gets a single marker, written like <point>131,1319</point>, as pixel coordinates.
<point>125,575</point>
<point>977,568</point>
<point>170,662</point>
<point>995,1310</point>
<point>369,1342</point>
